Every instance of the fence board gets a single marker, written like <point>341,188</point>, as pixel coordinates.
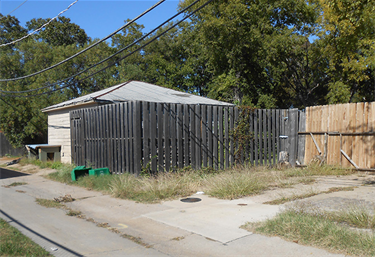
<point>192,137</point>
<point>198,129</point>
<point>204,136</point>
<point>123,136</point>
<point>226,127</point>
<point>215,137</point>
<point>186,135</point>
<point>168,130</point>
<point>221,137</point>
<point>180,136</point>
<point>173,136</point>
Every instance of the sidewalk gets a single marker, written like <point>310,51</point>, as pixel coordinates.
<point>206,228</point>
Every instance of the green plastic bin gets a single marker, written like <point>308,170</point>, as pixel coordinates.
<point>99,172</point>
<point>79,171</point>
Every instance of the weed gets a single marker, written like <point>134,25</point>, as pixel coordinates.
<point>49,203</point>
<point>312,227</point>
<point>137,240</point>
<point>73,213</point>
<point>283,199</point>
<point>234,184</point>
<point>14,184</point>
<point>102,225</point>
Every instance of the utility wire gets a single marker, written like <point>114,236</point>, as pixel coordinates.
<point>109,57</point>
<point>14,9</point>
<point>86,49</point>
<point>122,58</point>
<point>44,25</point>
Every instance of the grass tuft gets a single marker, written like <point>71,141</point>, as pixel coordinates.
<point>235,184</point>
<point>284,199</point>
<point>155,188</point>
<point>14,184</point>
<point>49,203</point>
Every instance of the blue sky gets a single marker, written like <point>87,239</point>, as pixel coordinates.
<point>97,18</point>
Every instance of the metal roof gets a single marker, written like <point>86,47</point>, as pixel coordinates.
<point>137,91</point>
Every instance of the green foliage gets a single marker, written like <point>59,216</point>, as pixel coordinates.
<point>241,133</point>
<point>266,54</point>
<point>338,93</point>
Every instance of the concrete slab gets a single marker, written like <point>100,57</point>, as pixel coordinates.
<point>60,234</point>
<point>206,228</point>
<point>216,219</point>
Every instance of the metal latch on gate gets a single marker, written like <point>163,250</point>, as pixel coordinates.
<point>283,137</point>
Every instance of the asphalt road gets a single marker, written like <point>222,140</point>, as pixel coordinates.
<point>5,173</point>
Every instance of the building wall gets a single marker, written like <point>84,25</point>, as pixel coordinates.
<point>59,130</point>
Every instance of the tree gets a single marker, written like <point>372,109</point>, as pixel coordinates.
<point>60,31</point>
<point>244,42</point>
<point>348,40</point>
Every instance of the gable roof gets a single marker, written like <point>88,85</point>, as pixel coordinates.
<point>136,91</point>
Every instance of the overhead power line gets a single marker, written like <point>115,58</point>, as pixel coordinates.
<point>122,58</point>
<point>44,25</point>
<point>14,9</point>
<point>86,49</point>
<point>106,59</point>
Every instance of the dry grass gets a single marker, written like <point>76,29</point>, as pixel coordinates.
<point>234,183</point>
<point>294,197</point>
<point>307,224</point>
<point>155,188</point>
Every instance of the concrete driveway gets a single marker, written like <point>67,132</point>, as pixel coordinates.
<point>115,227</point>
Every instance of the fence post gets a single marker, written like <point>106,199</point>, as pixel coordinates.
<point>301,138</point>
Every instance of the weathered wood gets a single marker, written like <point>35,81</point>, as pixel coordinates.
<point>122,137</point>
<point>173,135</point>
<point>256,138</point>
<point>215,138</point>
<point>274,139</point>
<point>293,113</point>
<point>180,136</point>
<point>168,131</point>
<point>193,140</point>
<point>226,127</point>
<point>221,137</point>
<point>278,131</point>
<point>260,145</point>
<point>301,138</point>
<point>137,138</point>
<point>204,136</point>
<point>160,146</point>
<point>153,136</point>
<point>146,134</point>
<point>269,131</point>
<point>251,131</point>
<point>210,136</point>
<point>186,133</point>
<point>231,128</point>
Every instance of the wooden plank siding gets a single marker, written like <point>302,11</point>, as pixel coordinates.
<point>160,137</point>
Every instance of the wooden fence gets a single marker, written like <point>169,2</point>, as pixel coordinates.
<point>7,149</point>
<point>127,137</point>
<point>339,130</point>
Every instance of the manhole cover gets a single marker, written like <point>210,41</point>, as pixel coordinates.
<point>191,200</point>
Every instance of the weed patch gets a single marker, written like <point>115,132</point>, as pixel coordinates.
<point>49,203</point>
<point>14,184</point>
<point>309,229</point>
<point>283,200</point>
